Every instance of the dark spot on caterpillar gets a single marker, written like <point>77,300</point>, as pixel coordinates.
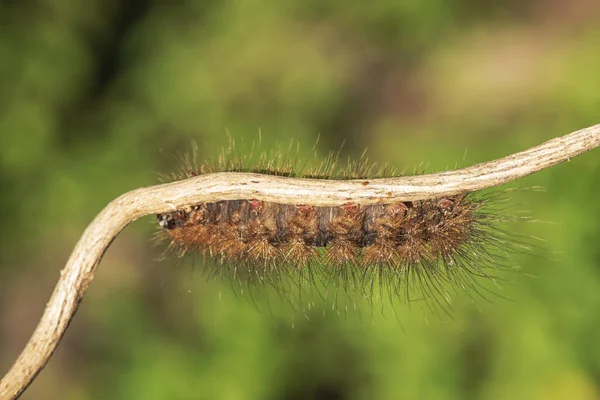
<point>172,220</point>
<point>365,183</point>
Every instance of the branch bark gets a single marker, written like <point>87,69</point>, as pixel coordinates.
<point>79,270</point>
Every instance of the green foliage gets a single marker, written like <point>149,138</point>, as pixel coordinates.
<point>98,100</point>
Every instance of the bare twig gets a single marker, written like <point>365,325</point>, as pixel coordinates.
<point>79,270</point>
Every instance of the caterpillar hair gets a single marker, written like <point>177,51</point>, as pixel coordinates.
<point>417,250</point>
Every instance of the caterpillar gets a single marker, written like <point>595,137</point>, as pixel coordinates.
<point>417,250</point>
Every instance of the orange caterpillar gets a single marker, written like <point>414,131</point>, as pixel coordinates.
<point>431,246</point>
<point>395,235</point>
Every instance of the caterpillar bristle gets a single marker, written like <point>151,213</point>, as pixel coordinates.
<point>431,246</point>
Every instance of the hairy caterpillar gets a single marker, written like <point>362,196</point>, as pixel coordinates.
<point>418,250</point>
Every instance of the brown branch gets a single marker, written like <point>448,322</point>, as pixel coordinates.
<point>79,271</point>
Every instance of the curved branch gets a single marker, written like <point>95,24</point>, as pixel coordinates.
<point>79,270</point>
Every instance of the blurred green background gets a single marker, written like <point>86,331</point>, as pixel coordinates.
<point>99,97</point>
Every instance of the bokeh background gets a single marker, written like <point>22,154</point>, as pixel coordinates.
<point>100,97</point>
